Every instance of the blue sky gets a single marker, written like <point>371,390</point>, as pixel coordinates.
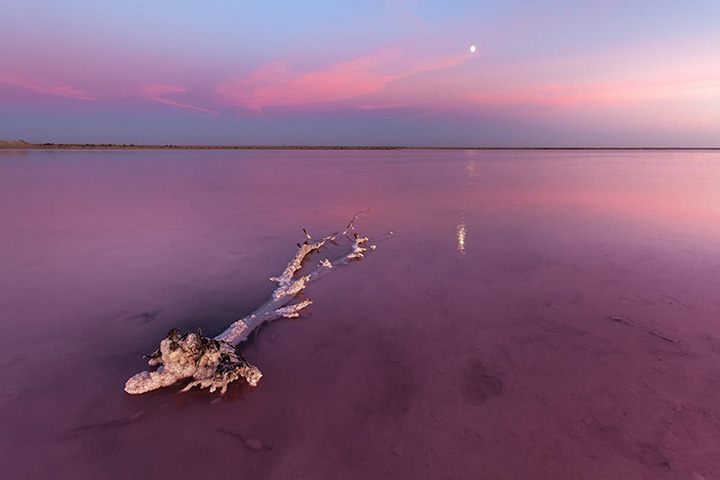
<point>544,73</point>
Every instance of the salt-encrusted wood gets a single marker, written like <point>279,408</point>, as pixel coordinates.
<point>214,363</point>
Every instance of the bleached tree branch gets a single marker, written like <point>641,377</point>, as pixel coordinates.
<point>214,363</point>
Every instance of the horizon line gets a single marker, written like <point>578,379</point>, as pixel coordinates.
<point>21,145</point>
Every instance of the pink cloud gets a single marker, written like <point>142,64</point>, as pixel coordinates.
<point>157,92</point>
<point>385,106</point>
<point>599,94</point>
<point>276,84</point>
<point>56,90</point>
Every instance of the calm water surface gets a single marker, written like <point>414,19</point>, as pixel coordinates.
<point>477,342</point>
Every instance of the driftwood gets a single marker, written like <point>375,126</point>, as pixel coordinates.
<point>214,363</point>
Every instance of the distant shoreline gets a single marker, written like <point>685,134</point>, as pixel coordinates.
<point>20,145</point>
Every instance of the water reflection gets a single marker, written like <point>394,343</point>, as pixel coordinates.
<point>13,153</point>
<point>461,232</point>
<point>470,170</point>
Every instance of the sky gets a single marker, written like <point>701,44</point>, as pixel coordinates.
<point>392,72</point>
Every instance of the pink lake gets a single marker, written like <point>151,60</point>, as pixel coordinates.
<point>478,342</point>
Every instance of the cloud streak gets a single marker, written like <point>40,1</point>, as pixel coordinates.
<point>157,92</point>
<point>275,84</point>
<point>55,90</point>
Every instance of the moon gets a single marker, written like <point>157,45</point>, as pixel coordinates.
<point>472,48</point>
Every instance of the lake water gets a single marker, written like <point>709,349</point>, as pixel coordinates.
<point>476,342</point>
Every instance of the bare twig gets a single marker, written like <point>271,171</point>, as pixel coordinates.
<point>351,224</point>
